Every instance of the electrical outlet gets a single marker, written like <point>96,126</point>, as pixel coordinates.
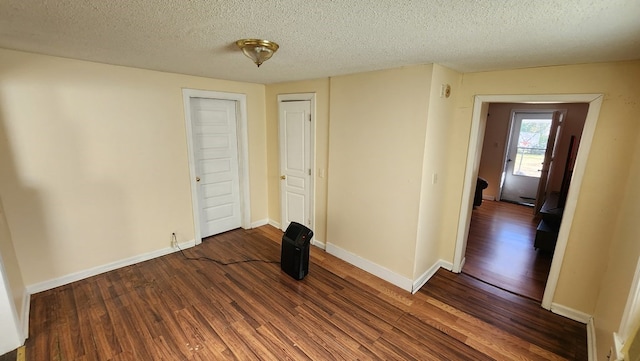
<point>174,240</point>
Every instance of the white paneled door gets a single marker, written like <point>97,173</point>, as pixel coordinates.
<point>295,162</point>
<point>214,126</point>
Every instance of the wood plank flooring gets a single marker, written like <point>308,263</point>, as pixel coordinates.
<point>171,308</point>
<point>9,356</point>
<point>500,249</point>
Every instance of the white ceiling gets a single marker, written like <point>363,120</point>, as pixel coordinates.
<point>322,38</point>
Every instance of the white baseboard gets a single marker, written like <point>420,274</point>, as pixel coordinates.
<point>570,313</point>
<point>77,276</point>
<point>260,223</point>
<point>26,307</point>
<point>488,198</point>
<point>418,283</point>
<point>319,244</point>
<point>274,223</point>
<point>591,341</point>
<point>458,270</point>
<point>373,268</point>
<point>581,317</point>
<point>618,344</point>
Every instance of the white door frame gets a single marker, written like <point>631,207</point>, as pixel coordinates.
<point>243,153</point>
<point>311,97</point>
<point>11,335</point>
<point>471,172</point>
<point>631,315</point>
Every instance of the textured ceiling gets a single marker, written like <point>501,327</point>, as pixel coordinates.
<point>321,38</point>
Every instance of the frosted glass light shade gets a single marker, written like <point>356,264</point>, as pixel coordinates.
<point>257,50</point>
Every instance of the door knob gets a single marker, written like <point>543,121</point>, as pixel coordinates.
<point>197,179</point>
<point>283,177</point>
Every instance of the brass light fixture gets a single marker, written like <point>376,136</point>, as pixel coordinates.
<point>257,50</point>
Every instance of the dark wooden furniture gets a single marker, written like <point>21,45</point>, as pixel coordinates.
<point>481,184</point>
<point>547,231</point>
<point>551,211</point>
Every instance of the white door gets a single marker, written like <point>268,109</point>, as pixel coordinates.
<point>525,155</point>
<point>295,162</point>
<point>214,126</point>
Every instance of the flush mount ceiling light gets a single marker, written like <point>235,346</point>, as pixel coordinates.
<point>257,50</point>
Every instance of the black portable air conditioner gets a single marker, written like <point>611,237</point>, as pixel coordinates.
<point>294,256</point>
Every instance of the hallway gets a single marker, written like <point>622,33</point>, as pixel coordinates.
<point>500,249</point>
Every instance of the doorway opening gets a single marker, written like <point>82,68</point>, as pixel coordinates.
<point>478,127</point>
<point>503,242</point>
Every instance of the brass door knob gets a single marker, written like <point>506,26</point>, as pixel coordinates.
<point>197,179</point>
<point>283,177</point>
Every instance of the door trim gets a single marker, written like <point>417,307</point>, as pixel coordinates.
<point>480,107</point>
<point>311,97</point>
<point>243,153</point>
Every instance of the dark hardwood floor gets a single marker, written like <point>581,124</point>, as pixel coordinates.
<point>171,308</point>
<point>9,356</point>
<point>500,249</point>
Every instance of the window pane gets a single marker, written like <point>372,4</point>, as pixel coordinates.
<point>532,142</point>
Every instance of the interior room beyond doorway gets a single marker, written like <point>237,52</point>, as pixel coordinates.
<point>500,248</point>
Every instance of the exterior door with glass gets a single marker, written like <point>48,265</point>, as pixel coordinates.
<point>525,156</point>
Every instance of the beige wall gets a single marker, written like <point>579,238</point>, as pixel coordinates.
<point>11,269</point>
<point>607,168</point>
<point>377,140</point>
<point>440,113</point>
<point>321,89</point>
<point>94,160</point>
<point>622,260</point>
<point>496,138</point>
<point>95,169</point>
